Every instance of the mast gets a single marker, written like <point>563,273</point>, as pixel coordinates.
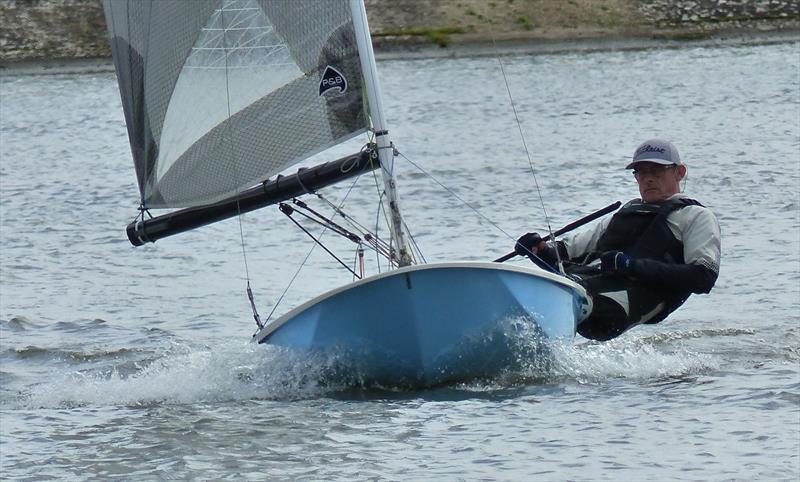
<point>385,149</point>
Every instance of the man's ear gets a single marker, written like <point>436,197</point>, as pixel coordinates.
<point>681,170</point>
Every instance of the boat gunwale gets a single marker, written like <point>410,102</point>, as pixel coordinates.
<point>270,328</point>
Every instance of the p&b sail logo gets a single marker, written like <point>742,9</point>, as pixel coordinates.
<point>332,79</point>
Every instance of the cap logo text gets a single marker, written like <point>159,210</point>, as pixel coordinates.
<point>649,148</point>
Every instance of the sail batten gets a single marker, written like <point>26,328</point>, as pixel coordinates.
<point>222,94</point>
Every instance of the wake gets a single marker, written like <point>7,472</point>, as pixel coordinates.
<point>236,371</point>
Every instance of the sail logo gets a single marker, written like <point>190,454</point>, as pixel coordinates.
<point>332,79</point>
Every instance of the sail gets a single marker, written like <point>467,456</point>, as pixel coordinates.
<point>219,95</point>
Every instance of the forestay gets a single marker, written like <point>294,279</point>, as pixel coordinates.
<point>219,95</point>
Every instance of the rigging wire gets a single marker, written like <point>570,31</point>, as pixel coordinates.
<point>382,207</point>
<point>378,245</point>
<point>525,146</point>
<point>318,218</point>
<point>374,242</point>
<point>414,245</point>
<point>249,289</point>
<point>381,210</point>
<point>453,193</point>
<point>288,210</point>
<point>305,260</point>
<point>377,224</point>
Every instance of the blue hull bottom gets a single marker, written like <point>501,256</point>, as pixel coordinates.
<point>431,324</point>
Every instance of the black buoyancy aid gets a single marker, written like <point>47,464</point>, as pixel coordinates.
<point>640,229</point>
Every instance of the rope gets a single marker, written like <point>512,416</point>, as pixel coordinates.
<point>142,211</point>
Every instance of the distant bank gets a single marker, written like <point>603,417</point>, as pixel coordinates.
<point>42,32</point>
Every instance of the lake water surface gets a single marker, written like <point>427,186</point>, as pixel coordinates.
<point>135,363</point>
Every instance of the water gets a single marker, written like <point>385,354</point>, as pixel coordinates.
<point>135,363</point>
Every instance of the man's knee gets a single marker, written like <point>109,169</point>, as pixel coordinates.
<point>608,320</point>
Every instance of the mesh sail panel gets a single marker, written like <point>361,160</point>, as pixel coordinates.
<point>220,95</point>
<point>146,75</point>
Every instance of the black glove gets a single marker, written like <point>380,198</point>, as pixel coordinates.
<point>616,262</point>
<point>527,243</point>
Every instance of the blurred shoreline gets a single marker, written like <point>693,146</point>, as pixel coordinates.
<point>475,47</point>
<point>63,36</point>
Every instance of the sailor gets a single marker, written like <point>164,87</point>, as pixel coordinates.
<point>641,264</point>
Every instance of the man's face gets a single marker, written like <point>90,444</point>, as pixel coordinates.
<point>658,182</point>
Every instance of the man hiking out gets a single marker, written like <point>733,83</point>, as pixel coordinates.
<point>641,264</point>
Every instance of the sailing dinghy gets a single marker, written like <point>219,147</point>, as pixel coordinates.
<point>221,96</point>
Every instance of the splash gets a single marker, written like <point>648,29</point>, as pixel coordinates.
<point>186,374</point>
<point>639,357</point>
<point>629,357</point>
